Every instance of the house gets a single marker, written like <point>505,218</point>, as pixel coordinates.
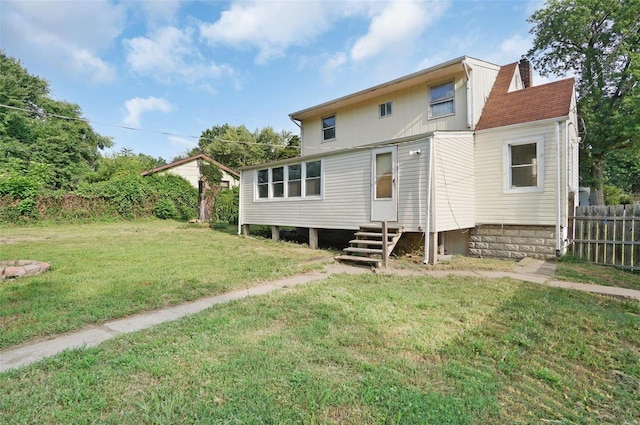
<point>467,154</point>
<point>189,169</point>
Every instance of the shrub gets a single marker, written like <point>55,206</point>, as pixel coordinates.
<point>165,209</point>
<point>226,206</point>
<point>615,196</point>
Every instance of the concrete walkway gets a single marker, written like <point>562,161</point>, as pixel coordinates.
<point>528,270</point>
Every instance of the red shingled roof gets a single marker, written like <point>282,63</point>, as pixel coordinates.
<point>551,100</point>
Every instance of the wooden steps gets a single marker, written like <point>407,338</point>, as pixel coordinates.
<point>367,247</point>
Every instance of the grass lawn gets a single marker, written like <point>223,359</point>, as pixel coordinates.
<point>105,271</point>
<point>581,271</point>
<point>361,349</point>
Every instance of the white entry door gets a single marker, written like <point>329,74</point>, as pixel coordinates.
<point>384,184</point>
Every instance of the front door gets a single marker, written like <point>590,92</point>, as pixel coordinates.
<point>384,184</point>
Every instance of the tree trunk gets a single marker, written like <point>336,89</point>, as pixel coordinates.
<point>597,186</point>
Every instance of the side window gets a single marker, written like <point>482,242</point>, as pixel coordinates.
<point>524,165</point>
<point>294,181</point>
<point>277,182</point>
<point>329,128</point>
<point>263,183</point>
<point>441,100</point>
<point>313,178</point>
<point>384,109</point>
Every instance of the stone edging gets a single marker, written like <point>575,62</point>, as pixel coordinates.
<point>18,268</point>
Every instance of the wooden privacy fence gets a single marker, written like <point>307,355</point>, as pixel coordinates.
<point>607,235</point>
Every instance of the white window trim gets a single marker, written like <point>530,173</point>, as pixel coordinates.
<point>452,99</point>
<point>387,114</point>
<point>322,128</point>
<point>286,197</point>
<point>539,141</point>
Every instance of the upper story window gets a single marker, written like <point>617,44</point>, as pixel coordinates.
<point>524,165</point>
<point>441,100</point>
<point>328,128</point>
<point>384,109</point>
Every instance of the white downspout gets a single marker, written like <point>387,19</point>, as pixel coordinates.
<point>558,193</point>
<point>469,97</point>
<point>427,224</point>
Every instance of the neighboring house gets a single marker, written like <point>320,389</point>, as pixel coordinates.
<point>467,153</point>
<point>189,169</point>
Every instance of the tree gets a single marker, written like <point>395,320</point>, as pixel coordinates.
<point>598,41</point>
<point>237,147</point>
<point>35,128</point>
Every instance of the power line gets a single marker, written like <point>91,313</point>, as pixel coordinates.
<point>64,117</point>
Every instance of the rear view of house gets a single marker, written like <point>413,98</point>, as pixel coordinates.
<point>466,154</point>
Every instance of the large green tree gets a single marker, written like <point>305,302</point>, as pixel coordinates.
<point>598,41</point>
<point>236,147</point>
<point>33,130</point>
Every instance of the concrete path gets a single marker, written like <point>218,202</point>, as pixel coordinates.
<point>528,270</point>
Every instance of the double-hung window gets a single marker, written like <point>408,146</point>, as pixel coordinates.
<point>328,128</point>
<point>294,180</point>
<point>524,165</point>
<point>263,183</point>
<point>313,178</point>
<point>277,182</point>
<point>301,180</point>
<point>441,100</point>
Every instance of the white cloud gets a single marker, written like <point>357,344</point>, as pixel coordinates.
<point>398,24</point>
<point>157,12</point>
<point>331,65</point>
<point>66,35</point>
<point>168,54</point>
<point>137,106</point>
<point>271,26</point>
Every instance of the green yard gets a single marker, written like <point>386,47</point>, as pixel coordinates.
<point>347,350</point>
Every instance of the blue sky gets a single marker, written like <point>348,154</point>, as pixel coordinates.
<point>180,67</point>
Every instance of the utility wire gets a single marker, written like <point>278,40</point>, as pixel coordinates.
<point>64,117</point>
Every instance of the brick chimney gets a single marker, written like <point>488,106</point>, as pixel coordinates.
<point>526,72</point>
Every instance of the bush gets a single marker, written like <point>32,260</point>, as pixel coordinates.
<point>226,206</point>
<point>615,196</point>
<point>165,209</point>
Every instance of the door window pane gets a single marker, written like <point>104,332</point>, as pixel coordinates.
<point>384,176</point>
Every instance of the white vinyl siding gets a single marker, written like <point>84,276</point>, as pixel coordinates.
<point>497,206</point>
<point>344,204</point>
<point>454,181</point>
<point>359,126</point>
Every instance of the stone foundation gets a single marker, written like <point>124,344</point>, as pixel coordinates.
<point>512,241</point>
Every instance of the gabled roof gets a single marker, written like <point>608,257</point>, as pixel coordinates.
<point>190,159</point>
<point>551,100</point>
<point>439,71</point>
